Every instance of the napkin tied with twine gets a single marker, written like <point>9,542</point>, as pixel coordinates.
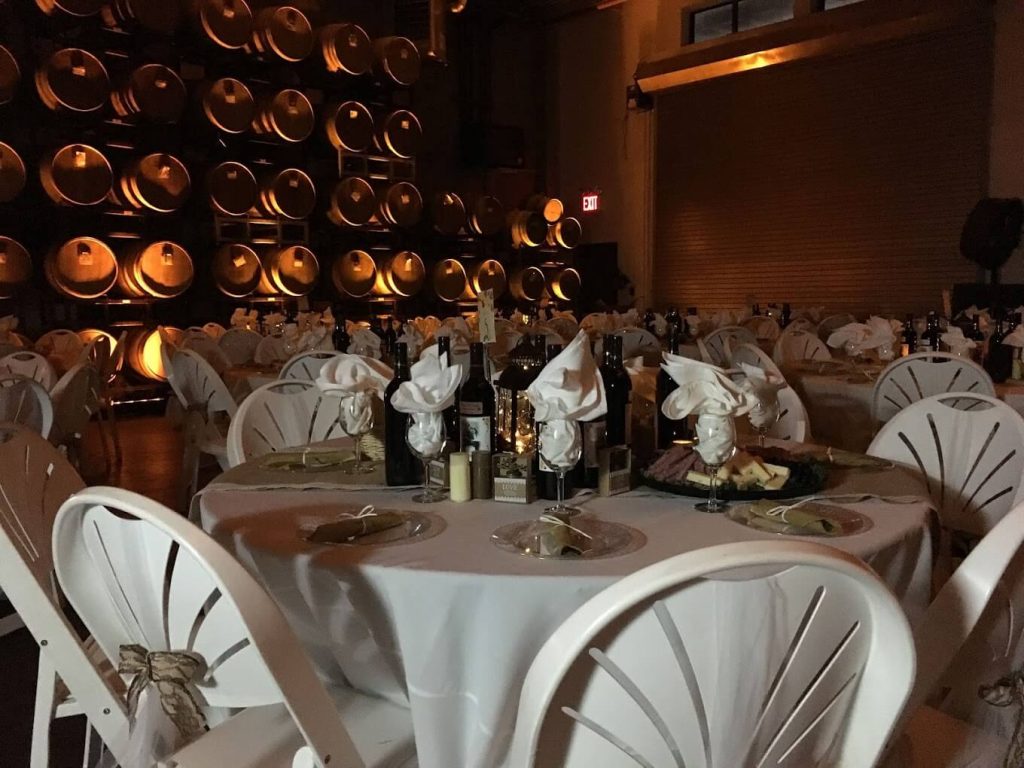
<point>172,674</point>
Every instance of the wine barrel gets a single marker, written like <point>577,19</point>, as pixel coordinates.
<point>349,126</point>
<point>488,274</point>
<point>162,270</point>
<point>78,8</point>
<point>154,91</point>
<point>551,208</point>
<point>353,202</point>
<point>142,351</point>
<point>402,205</point>
<point>289,193</point>
<point>160,16</point>
<point>287,115</point>
<point>528,228</point>
<point>566,233</point>
<point>487,217</point>
<point>565,284</point>
<point>232,189</point>
<point>236,270</point>
<point>401,133</point>
<point>449,213</point>
<point>74,80</point>
<point>346,48</point>
<point>397,59</point>
<point>402,274</point>
<point>15,267</point>
<point>10,74</point>
<point>226,23</point>
<point>283,31</point>
<point>292,271</point>
<point>12,173</point>
<point>528,284</point>
<point>449,280</point>
<point>229,105</point>
<point>81,268</point>
<point>158,182</point>
<point>76,174</point>
<point>354,274</point>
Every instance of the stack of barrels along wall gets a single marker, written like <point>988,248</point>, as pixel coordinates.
<point>542,224</point>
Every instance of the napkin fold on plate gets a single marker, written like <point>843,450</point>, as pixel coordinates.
<point>851,333</point>
<point>458,331</point>
<point>412,338</point>
<point>958,343</point>
<point>245,320</point>
<point>356,380</point>
<point>305,459</point>
<point>273,323</point>
<point>364,342</point>
<point>703,388</point>
<point>763,388</point>
<point>880,333</point>
<point>430,390</point>
<point>1016,337</point>
<point>349,527</point>
<point>808,518</point>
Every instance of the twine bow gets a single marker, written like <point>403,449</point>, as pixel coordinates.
<point>172,673</point>
<point>1005,692</point>
<point>558,521</point>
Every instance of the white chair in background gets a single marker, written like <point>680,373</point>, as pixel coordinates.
<point>282,414</point>
<point>713,346</point>
<point>36,480</point>
<point>25,402</point>
<point>76,399</point>
<point>794,423</point>
<point>637,342</point>
<point>306,366</point>
<point>239,345</point>
<point>767,653</point>
<point>922,375</point>
<point>63,348</point>
<point>214,330</point>
<point>794,346</point>
<point>272,350</point>
<point>801,324</point>
<point>108,360</point>
<point>209,350</point>
<point>969,450</point>
<point>138,573</point>
<point>32,365</point>
<point>753,355</point>
<point>832,323</point>
<point>763,327</point>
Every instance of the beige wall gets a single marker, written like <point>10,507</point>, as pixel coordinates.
<point>594,142</point>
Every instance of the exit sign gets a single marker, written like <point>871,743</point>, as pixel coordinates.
<point>591,202</point>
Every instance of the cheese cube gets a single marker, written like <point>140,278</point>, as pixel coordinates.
<point>777,483</point>
<point>777,470</point>
<point>698,478</point>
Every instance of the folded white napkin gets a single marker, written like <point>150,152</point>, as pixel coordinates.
<point>427,326</point>
<point>851,333</point>
<point>314,338</point>
<point>358,325</point>
<point>956,341</point>
<point>763,388</point>
<point>239,318</point>
<point>430,390</point>
<point>351,374</point>
<point>456,329</point>
<point>1016,337</point>
<point>569,387</point>
<point>628,319</point>
<point>597,324</point>
<point>984,318</point>
<point>703,388</point>
<point>880,332</point>
<point>327,319</point>
<point>660,324</point>
<point>273,322</point>
<point>363,341</point>
<point>412,338</point>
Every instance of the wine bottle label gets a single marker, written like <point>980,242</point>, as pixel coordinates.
<point>471,409</point>
<point>476,432</point>
<point>594,434</point>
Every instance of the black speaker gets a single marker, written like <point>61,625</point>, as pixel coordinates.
<point>598,265</point>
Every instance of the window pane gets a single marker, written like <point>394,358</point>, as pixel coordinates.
<point>758,13</point>
<point>830,4</point>
<point>712,22</point>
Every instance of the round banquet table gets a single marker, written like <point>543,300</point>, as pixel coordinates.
<point>449,625</point>
<point>241,380</point>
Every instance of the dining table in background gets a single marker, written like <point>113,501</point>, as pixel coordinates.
<point>448,624</point>
<point>241,380</point>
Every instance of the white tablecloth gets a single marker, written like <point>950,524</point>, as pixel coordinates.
<point>450,625</point>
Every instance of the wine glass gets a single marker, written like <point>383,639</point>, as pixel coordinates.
<point>716,436</point>
<point>561,445</point>
<point>766,412</point>
<point>355,415</point>
<point>426,439</point>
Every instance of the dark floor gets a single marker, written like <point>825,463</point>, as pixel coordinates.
<point>152,457</point>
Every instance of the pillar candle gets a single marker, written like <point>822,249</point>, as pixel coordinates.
<point>460,486</point>
<point>483,475</point>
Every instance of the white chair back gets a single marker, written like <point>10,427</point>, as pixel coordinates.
<point>25,402</point>
<point>801,324</point>
<point>63,348</point>
<point>32,365</point>
<point>794,346</point>
<point>922,375</point>
<point>713,345</point>
<point>794,423</point>
<point>969,450</point>
<point>209,350</point>
<point>76,398</point>
<point>281,414</point>
<point>637,342</point>
<point>832,323</point>
<point>239,344</point>
<point>767,653</point>
<point>139,573</point>
<point>763,327</point>
<point>272,350</point>
<point>214,330</point>
<point>197,385</point>
<point>306,366</point>
<point>753,355</point>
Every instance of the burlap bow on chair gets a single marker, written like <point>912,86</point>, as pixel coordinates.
<point>172,673</point>
<point>1005,692</point>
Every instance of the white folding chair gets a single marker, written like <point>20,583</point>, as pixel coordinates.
<point>214,330</point>
<point>763,327</point>
<point>969,638</point>
<point>36,480</point>
<point>138,573</point>
<point>753,355</point>
<point>76,399</point>
<point>25,402</point>
<point>209,349</point>
<point>271,350</point>
<point>766,653</point>
<point>968,449</point>
<point>63,348</point>
<point>794,423</point>
<point>282,414</point>
<point>239,344</point>
<point>832,323</point>
<point>922,375</point>
<point>712,346</point>
<point>795,345</point>
<point>306,366</point>
<point>32,365</point>
<point>637,342</point>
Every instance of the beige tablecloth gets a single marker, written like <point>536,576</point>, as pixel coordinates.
<point>241,380</point>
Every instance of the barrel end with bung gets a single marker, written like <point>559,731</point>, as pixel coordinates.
<point>81,268</point>
<point>73,79</point>
<point>449,280</point>
<point>236,270</point>
<point>397,59</point>
<point>346,48</point>
<point>283,31</point>
<point>229,105</point>
<point>353,202</point>
<point>289,193</point>
<point>227,24</point>
<point>15,266</point>
<point>354,274</point>
<point>12,173</point>
<point>232,189</point>
<point>565,284</point>
<point>143,351</point>
<point>76,174</point>
<point>402,274</point>
<point>528,284</point>
<point>290,271</point>
<point>160,270</point>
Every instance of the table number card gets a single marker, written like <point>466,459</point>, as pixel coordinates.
<point>614,470</point>
<point>485,309</point>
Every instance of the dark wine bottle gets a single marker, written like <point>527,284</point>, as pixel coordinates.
<point>476,405</point>
<point>999,360</point>
<point>340,337</point>
<point>666,430</point>
<point>619,391</point>
<point>400,466</point>
<point>787,315</point>
<point>909,343</point>
<point>547,481</point>
<point>673,318</point>
<point>975,335</point>
<point>649,320</point>
<point>451,414</point>
<point>388,339</point>
<point>595,437</point>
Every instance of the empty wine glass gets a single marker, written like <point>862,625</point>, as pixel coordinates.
<point>355,415</point>
<point>716,444</point>
<point>426,439</point>
<point>561,446</point>
<point>766,412</point>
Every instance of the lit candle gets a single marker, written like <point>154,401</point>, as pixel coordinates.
<point>459,482</point>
